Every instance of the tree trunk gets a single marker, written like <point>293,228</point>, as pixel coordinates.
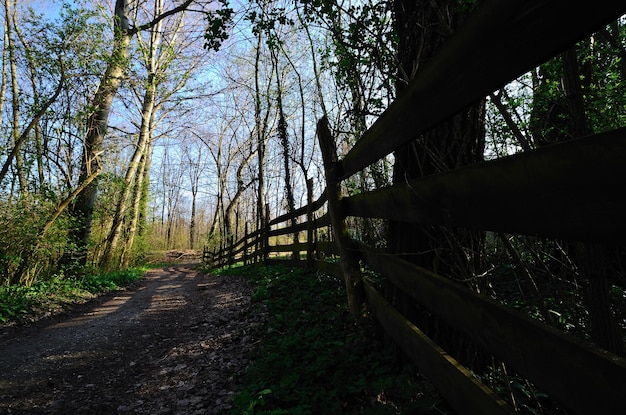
<point>15,110</point>
<point>284,142</point>
<point>3,84</point>
<point>241,187</point>
<point>97,123</point>
<point>139,205</point>
<point>145,135</point>
<point>260,125</point>
<point>36,101</point>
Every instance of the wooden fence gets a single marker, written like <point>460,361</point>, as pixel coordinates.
<point>573,190</point>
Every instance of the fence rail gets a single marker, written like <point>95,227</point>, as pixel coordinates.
<point>572,190</point>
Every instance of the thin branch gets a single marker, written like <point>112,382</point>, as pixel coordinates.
<point>160,17</point>
<point>31,125</point>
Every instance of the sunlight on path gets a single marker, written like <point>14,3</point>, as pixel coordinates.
<point>107,308</point>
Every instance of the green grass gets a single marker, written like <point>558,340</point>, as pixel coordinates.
<point>314,359</point>
<point>20,302</point>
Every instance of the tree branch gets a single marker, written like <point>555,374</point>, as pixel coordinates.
<point>31,125</point>
<point>160,17</point>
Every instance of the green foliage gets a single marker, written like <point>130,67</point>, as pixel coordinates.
<point>218,23</point>
<point>24,254</point>
<point>14,302</point>
<point>97,283</point>
<point>315,359</point>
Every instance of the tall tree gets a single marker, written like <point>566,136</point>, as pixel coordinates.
<point>10,19</point>
<point>284,140</point>
<point>260,125</point>
<point>97,121</point>
<point>158,54</point>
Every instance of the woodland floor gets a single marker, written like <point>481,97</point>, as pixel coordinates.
<point>171,343</point>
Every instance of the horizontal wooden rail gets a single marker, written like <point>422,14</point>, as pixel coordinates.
<point>301,227</point>
<point>572,190</point>
<point>316,205</point>
<point>500,41</point>
<point>455,383</point>
<point>326,248</point>
<point>299,247</point>
<point>583,378</point>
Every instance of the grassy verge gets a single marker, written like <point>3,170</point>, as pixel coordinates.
<point>314,359</point>
<point>40,299</point>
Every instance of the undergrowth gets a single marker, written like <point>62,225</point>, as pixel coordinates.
<point>314,359</point>
<point>20,302</point>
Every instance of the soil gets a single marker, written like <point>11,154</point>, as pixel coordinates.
<point>171,343</point>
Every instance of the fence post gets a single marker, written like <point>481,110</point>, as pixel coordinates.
<point>220,262</point>
<point>231,249</point>
<point>348,259</point>
<point>310,243</point>
<point>265,243</point>
<point>258,240</point>
<point>245,242</point>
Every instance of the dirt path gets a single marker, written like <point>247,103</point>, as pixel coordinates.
<point>169,344</point>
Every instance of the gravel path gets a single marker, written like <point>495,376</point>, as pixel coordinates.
<point>171,343</point>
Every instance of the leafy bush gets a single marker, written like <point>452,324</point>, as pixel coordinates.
<point>14,302</point>
<point>97,283</point>
<point>25,254</point>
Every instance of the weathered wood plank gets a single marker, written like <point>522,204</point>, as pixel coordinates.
<point>500,41</point>
<point>457,385</point>
<point>301,227</point>
<point>583,378</point>
<point>316,205</point>
<point>572,190</point>
<point>301,246</point>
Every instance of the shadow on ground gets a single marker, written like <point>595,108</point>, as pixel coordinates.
<point>171,344</point>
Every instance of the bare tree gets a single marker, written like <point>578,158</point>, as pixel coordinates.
<point>15,106</point>
<point>156,60</point>
<point>97,121</point>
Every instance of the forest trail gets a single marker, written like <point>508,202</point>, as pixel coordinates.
<point>172,343</point>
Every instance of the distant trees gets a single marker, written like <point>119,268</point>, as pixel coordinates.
<point>161,48</point>
<point>125,27</point>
